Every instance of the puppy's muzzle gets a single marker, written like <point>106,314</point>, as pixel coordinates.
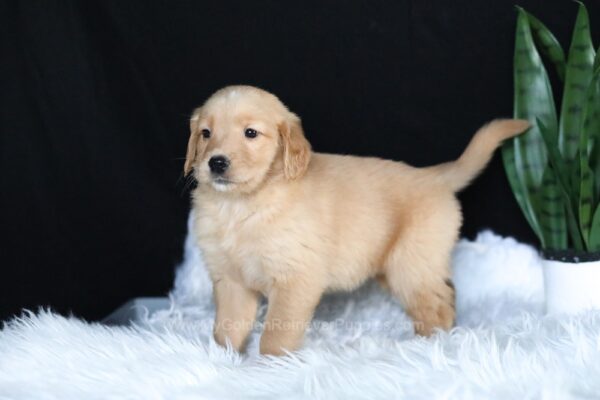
<point>218,164</point>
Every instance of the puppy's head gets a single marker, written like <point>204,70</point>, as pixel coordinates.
<point>242,136</point>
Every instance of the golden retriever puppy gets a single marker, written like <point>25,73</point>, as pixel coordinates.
<point>274,218</point>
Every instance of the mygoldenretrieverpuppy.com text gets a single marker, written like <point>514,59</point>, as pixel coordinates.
<point>339,324</point>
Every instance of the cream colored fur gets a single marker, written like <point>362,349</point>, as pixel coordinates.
<point>291,224</point>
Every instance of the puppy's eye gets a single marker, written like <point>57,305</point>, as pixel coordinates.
<point>250,133</point>
<point>205,133</point>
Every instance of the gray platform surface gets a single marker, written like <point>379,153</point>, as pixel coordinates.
<point>135,309</point>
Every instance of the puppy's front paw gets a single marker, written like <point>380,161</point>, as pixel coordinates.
<point>276,343</point>
<point>268,349</point>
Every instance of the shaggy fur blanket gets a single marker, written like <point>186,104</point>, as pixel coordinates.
<point>360,345</point>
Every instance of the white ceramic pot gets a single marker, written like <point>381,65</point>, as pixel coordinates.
<point>571,287</point>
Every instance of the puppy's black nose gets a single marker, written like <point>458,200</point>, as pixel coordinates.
<point>218,164</point>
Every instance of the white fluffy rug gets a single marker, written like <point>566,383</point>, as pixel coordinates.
<point>360,346</point>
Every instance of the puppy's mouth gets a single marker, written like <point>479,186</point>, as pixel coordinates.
<point>222,181</point>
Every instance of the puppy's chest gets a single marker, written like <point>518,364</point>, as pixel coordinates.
<point>235,240</point>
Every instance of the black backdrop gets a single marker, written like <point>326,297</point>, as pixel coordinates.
<point>95,96</point>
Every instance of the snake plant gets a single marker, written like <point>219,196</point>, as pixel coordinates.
<point>554,168</point>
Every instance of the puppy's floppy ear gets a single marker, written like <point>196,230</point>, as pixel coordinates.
<point>296,149</point>
<point>192,147</point>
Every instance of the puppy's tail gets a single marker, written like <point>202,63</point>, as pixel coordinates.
<point>459,173</point>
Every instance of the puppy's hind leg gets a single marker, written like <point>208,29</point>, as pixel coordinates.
<point>417,271</point>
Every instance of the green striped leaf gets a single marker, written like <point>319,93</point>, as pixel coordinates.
<point>562,174</point>
<point>574,171</point>
<point>547,44</point>
<point>525,157</point>
<point>591,128</point>
<point>594,241</point>
<point>520,192</point>
<point>533,99</point>
<point>586,201</point>
<point>552,212</point>
<point>577,78</point>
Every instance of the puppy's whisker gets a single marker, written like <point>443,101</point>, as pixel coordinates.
<point>188,183</point>
<point>181,177</point>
